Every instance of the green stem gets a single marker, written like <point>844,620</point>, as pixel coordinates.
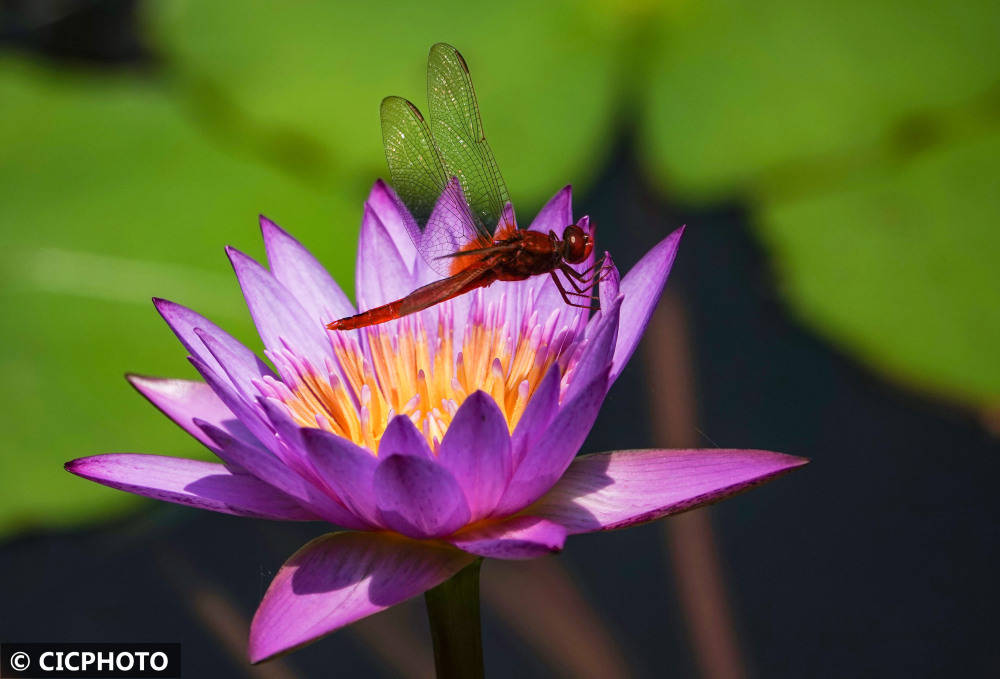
<point>453,610</point>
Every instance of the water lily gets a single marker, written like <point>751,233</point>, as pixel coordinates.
<point>434,440</point>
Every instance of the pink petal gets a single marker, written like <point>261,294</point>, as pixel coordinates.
<point>556,214</point>
<point>342,577</point>
<point>385,204</point>
<point>476,450</point>
<point>538,414</point>
<point>347,469</point>
<point>381,274</point>
<point>247,414</point>
<point>272,471</point>
<point>418,497</point>
<point>618,489</point>
<point>184,400</point>
<point>521,537</point>
<point>402,436</point>
<point>206,485</point>
<point>244,364</point>
<point>597,353</point>
<point>641,288</point>
<point>277,314</point>
<point>299,271</point>
<point>545,462</point>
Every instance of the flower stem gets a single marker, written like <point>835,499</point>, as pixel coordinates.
<point>453,610</point>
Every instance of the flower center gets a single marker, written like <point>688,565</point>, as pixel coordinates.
<point>402,368</point>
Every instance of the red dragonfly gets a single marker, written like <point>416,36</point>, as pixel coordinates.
<point>459,213</point>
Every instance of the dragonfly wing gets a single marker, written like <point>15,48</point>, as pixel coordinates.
<point>457,130</point>
<point>436,215</point>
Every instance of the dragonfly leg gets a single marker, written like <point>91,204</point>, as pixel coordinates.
<point>565,295</point>
<point>575,279</point>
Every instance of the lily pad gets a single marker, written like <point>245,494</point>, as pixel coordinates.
<point>899,264</point>
<point>860,133</point>
<point>111,196</point>
<point>544,74</point>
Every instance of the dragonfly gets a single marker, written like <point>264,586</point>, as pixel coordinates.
<point>457,209</point>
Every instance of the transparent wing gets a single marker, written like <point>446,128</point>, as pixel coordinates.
<point>442,223</point>
<point>417,173</point>
<point>457,131</point>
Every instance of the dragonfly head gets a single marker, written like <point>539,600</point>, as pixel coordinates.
<point>577,244</point>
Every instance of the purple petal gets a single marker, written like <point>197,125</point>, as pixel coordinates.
<point>296,268</point>
<point>269,469</point>
<point>184,400</point>
<point>446,231</point>
<point>556,214</point>
<point>385,203</point>
<point>402,437</point>
<point>546,461</point>
<point>206,485</point>
<point>346,468</point>
<point>609,289</point>
<point>521,537</point>
<point>247,415</point>
<point>624,488</point>
<point>342,577</point>
<point>418,497</point>
<point>277,314</point>
<point>642,287</point>
<point>239,373</point>
<point>476,450</point>
<point>382,275</point>
<point>538,414</point>
<point>596,356</point>
<point>184,322</point>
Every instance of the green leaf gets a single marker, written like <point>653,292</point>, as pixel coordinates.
<point>111,195</point>
<point>544,74</point>
<point>738,90</point>
<point>861,133</point>
<point>899,264</point>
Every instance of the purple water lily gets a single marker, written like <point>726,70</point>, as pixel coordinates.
<point>436,439</point>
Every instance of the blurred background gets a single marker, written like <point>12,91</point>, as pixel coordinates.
<point>836,296</point>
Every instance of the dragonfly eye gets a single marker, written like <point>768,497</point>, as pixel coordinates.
<point>576,244</point>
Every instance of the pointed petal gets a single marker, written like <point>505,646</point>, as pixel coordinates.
<point>538,414</point>
<point>381,275</point>
<point>418,497</point>
<point>521,537</point>
<point>476,450</point>
<point>276,312</point>
<point>556,214</point>
<point>610,287</point>
<point>247,415</point>
<point>445,229</point>
<point>299,271</point>
<point>385,204</point>
<point>597,353</point>
<point>642,287</point>
<point>269,469</point>
<point>342,577</point>
<point>546,461</point>
<point>184,400</point>
<point>184,321</point>
<point>205,485</point>
<point>346,468</point>
<point>618,489</point>
<point>239,373</point>
<point>402,437</point>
